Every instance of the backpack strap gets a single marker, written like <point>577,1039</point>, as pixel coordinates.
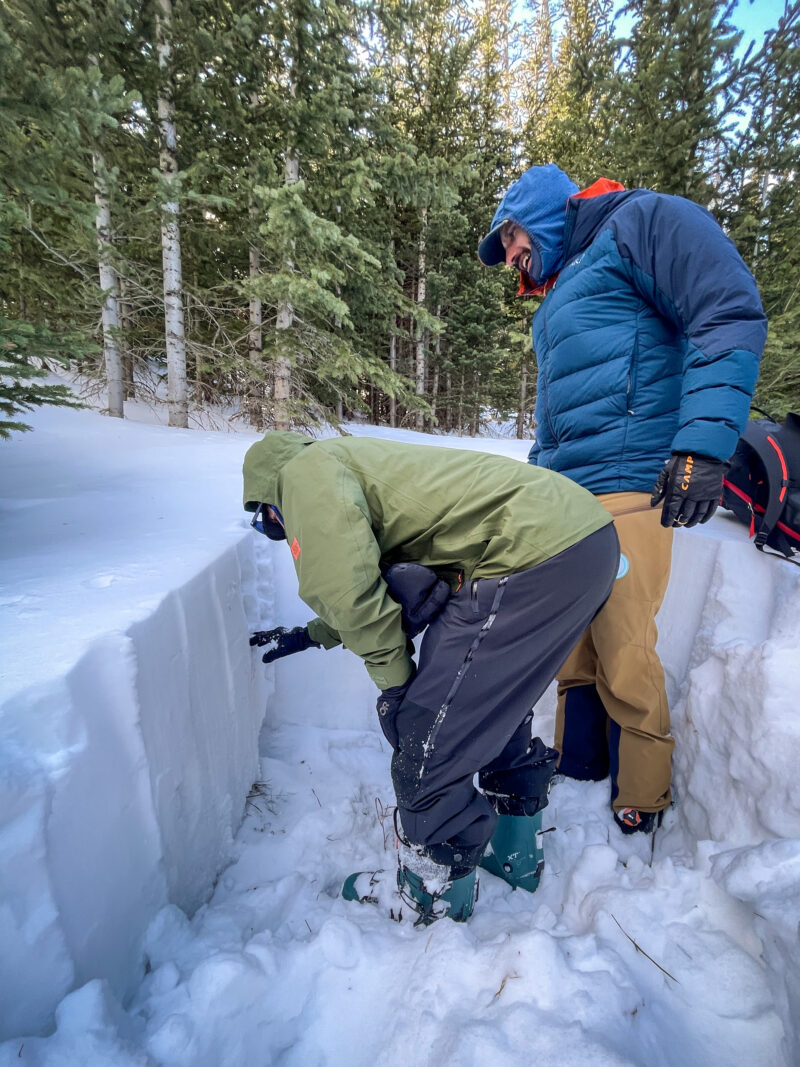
<point>762,439</point>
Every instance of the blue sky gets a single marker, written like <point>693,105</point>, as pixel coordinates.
<point>753,18</point>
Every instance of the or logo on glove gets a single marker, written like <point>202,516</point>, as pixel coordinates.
<point>690,487</point>
<point>388,705</point>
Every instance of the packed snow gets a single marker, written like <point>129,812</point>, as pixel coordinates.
<point>177,819</point>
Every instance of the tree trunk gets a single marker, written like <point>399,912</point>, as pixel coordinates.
<point>125,325</point>
<point>255,336</point>
<point>420,340</point>
<point>523,399</point>
<point>170,227</point>
<point>437,354</point>
<point>283,365</point>
<point>461,407</point>
<point>393,355</point>
<point>109,284</point>
<point>393,367</point>
<point>255,339</point>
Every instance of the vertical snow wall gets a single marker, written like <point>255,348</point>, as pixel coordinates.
<point>121,788</point>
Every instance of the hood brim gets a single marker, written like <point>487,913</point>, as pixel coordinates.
<point>490,249</point>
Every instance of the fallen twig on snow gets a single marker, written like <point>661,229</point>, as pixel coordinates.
<point>640,949</point>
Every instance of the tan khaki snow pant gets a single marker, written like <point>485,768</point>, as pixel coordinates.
<point>617,656</point>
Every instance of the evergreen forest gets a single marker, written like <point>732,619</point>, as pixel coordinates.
<point>272,207</point>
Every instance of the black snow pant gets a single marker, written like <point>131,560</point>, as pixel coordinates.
<point>483,664</point>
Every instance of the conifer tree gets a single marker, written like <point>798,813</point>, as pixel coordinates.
<point>567,74</point>
<point>758,199</point>
<point>47,107</point>
<point>672,96</point>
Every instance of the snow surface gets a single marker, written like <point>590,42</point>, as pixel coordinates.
<point>136,929</point>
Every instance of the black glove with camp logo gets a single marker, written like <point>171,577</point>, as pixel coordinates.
<point>690,487</point>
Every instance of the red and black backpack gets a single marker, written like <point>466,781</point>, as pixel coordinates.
<point>762,486</point>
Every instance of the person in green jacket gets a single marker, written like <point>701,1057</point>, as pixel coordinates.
<point>503,565</point>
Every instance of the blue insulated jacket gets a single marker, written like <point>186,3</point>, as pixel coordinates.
<point>648,343</point>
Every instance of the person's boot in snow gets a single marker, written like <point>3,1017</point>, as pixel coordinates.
<point>633,821</point>
<point>421,890</point>
<point>514,852</point>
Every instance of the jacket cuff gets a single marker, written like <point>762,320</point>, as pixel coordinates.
<point>323,634</point>
<point>389,675</point>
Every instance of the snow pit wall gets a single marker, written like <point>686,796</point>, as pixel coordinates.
<point>122,785</point>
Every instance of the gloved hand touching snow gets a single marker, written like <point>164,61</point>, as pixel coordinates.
<point>691,488</point>
<point>287,642</point>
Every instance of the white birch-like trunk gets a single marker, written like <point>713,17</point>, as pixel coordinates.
<point>283,365</point>
<point>175,338</point>
<point>523,398</point>
<point>109,283</point>
<point>437,350</point>
<point>393,367</point>
<point>255,336</point>
<point>420,339</point>
<point>125,325</point>
<point>393,355</point>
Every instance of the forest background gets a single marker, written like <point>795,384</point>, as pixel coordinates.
<point>273,208</point>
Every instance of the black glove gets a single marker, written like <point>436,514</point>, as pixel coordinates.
<point>287,642</point>
<point>691,488</point>
<point>421,594</point>
<point>388,706</point>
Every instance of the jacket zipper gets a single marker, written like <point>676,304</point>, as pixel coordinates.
<point>629,390</point>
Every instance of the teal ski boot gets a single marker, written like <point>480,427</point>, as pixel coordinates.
<point>519,796</point>
<point>421,890</point>
<point>515,852</point>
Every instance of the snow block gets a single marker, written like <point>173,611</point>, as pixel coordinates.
<point>121,787</point>
<point>728,641</point>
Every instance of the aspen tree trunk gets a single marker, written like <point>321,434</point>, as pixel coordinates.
<point>393,357</point>
<point>125,324</point>
<point>109,283</point>
<point>283,365</point>
<point>461,407</point>
<point>448,411</point>
<point>255,339</point>
<point>523,397</point>
<point>437,348</point>
<point>393,367</point>
<point>546,18</point>
<point>170,227</point>
<point>255,336</point>
<point>420,341</point>
<point>507,64</point>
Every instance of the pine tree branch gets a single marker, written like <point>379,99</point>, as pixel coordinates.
<point>59,256</point>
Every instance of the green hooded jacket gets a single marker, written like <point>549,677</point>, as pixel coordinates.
<point>353,503</point>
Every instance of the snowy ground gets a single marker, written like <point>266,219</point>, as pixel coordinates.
<point>129,711</point>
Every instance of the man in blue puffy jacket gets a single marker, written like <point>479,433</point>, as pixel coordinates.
<point>648,342</point>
